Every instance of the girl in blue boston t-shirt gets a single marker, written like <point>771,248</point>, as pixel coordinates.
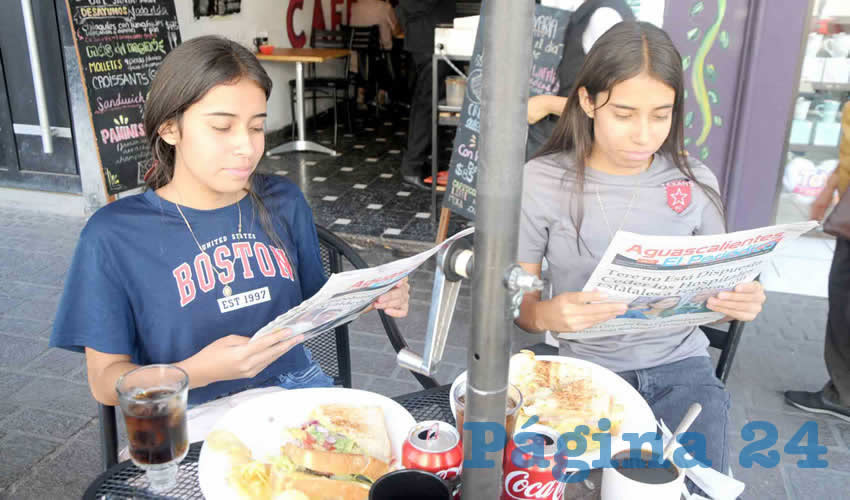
<point>187,271</point>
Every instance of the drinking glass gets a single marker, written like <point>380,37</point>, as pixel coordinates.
<point>512,405</point>
<point>153,401</point>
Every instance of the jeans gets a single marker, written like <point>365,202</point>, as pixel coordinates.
<point>837,341</point>
<point>312,376</point>
<point>670,389</point>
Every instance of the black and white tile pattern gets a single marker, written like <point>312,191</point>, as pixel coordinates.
<point>360,192</point>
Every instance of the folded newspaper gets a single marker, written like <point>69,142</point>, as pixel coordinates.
<point>666,280</point>
<point>346,295</point>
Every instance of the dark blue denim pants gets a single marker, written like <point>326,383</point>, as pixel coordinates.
<point>670,389</point>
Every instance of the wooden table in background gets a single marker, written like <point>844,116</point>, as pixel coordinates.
<point>299,57</point>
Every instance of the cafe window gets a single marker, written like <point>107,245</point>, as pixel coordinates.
<point>216,7</point>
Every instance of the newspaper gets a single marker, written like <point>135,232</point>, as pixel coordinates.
<point>347,295</point>
<point>666,280</point>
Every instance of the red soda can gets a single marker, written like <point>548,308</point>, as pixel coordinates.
<point>433,446</point>
<point>535,482</point>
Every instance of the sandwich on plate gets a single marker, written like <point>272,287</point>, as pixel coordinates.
<point>335,455</point>
<point>341,440</point>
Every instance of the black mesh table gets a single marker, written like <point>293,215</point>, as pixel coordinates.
<point>125,480</point>
<point>430,404</point>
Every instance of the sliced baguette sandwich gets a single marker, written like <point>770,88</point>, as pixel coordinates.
<point>341,440</point>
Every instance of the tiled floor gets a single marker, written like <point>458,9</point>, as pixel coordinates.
<point>360,192</point>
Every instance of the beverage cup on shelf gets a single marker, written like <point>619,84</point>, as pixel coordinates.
<point>828,110</point>
<point>838,45</point>
<point>813,44</point>
<point>813,68</point>
<point>801,108</point>
<point>455,89</point>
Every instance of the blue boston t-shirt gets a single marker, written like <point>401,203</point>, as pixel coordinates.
<point>139,285</point>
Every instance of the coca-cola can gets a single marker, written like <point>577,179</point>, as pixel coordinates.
<point>435,447</point>
<point>535,482</point>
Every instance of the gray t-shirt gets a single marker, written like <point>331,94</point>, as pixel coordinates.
<point>547,230</point>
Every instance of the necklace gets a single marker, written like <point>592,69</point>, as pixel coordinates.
<point>226,291</point>
<point>628,210</point>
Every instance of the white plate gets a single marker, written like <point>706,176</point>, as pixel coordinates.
<point>258,423</point>
<point>637,416</point>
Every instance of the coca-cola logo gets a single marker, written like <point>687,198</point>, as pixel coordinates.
<point>449,473</point>
<point>518,486</point>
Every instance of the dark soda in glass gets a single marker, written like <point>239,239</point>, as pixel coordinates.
<point>156,428</point>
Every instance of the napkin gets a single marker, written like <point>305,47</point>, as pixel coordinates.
<point>715,484</point>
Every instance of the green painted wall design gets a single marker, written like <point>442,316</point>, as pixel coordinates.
<point>703,45</point>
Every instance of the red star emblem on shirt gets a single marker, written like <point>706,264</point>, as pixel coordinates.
<point>678,195</point>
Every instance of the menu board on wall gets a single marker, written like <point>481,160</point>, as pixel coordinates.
<point>120,44</point>
<point>547,46</point>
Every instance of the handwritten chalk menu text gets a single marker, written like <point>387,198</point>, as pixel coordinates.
<point>120,44</point>
<point>547,47</point>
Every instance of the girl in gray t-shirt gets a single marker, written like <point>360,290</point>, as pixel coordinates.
<point>614,162</point>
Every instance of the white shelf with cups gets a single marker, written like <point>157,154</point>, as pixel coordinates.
<point>824,88</point>
<point>811,87</point>
<point>816,126</point>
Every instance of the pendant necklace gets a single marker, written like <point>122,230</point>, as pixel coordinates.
<point>226,291</point>
<point>628,210</point>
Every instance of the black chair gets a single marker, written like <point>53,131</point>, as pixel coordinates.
<point>335,357</point>
<point>330,350</point>
<point>335,88</point>
<point>724,340</point>
<point>374,65</point>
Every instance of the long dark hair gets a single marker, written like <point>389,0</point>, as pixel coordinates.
<point>628,49</point>
<point>183,78</point>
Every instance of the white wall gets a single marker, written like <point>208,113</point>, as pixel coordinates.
<point>268,16</point>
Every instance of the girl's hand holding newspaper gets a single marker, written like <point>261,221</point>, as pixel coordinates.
<point>576,311</point>
<point>744,303</point>
<point>395,302</point>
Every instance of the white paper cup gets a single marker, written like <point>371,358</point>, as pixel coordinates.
<point>455,89</point>
<point>616,486</point>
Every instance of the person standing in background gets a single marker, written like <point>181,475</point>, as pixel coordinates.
<point>418,18</point>
<point>834,398</point>
<point>589,20</point>
<point>371,13</point>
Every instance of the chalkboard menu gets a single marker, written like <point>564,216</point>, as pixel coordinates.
<point>547,47</point>
<point>120,44</point>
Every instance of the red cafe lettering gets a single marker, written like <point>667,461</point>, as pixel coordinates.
<point>299,39</point>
